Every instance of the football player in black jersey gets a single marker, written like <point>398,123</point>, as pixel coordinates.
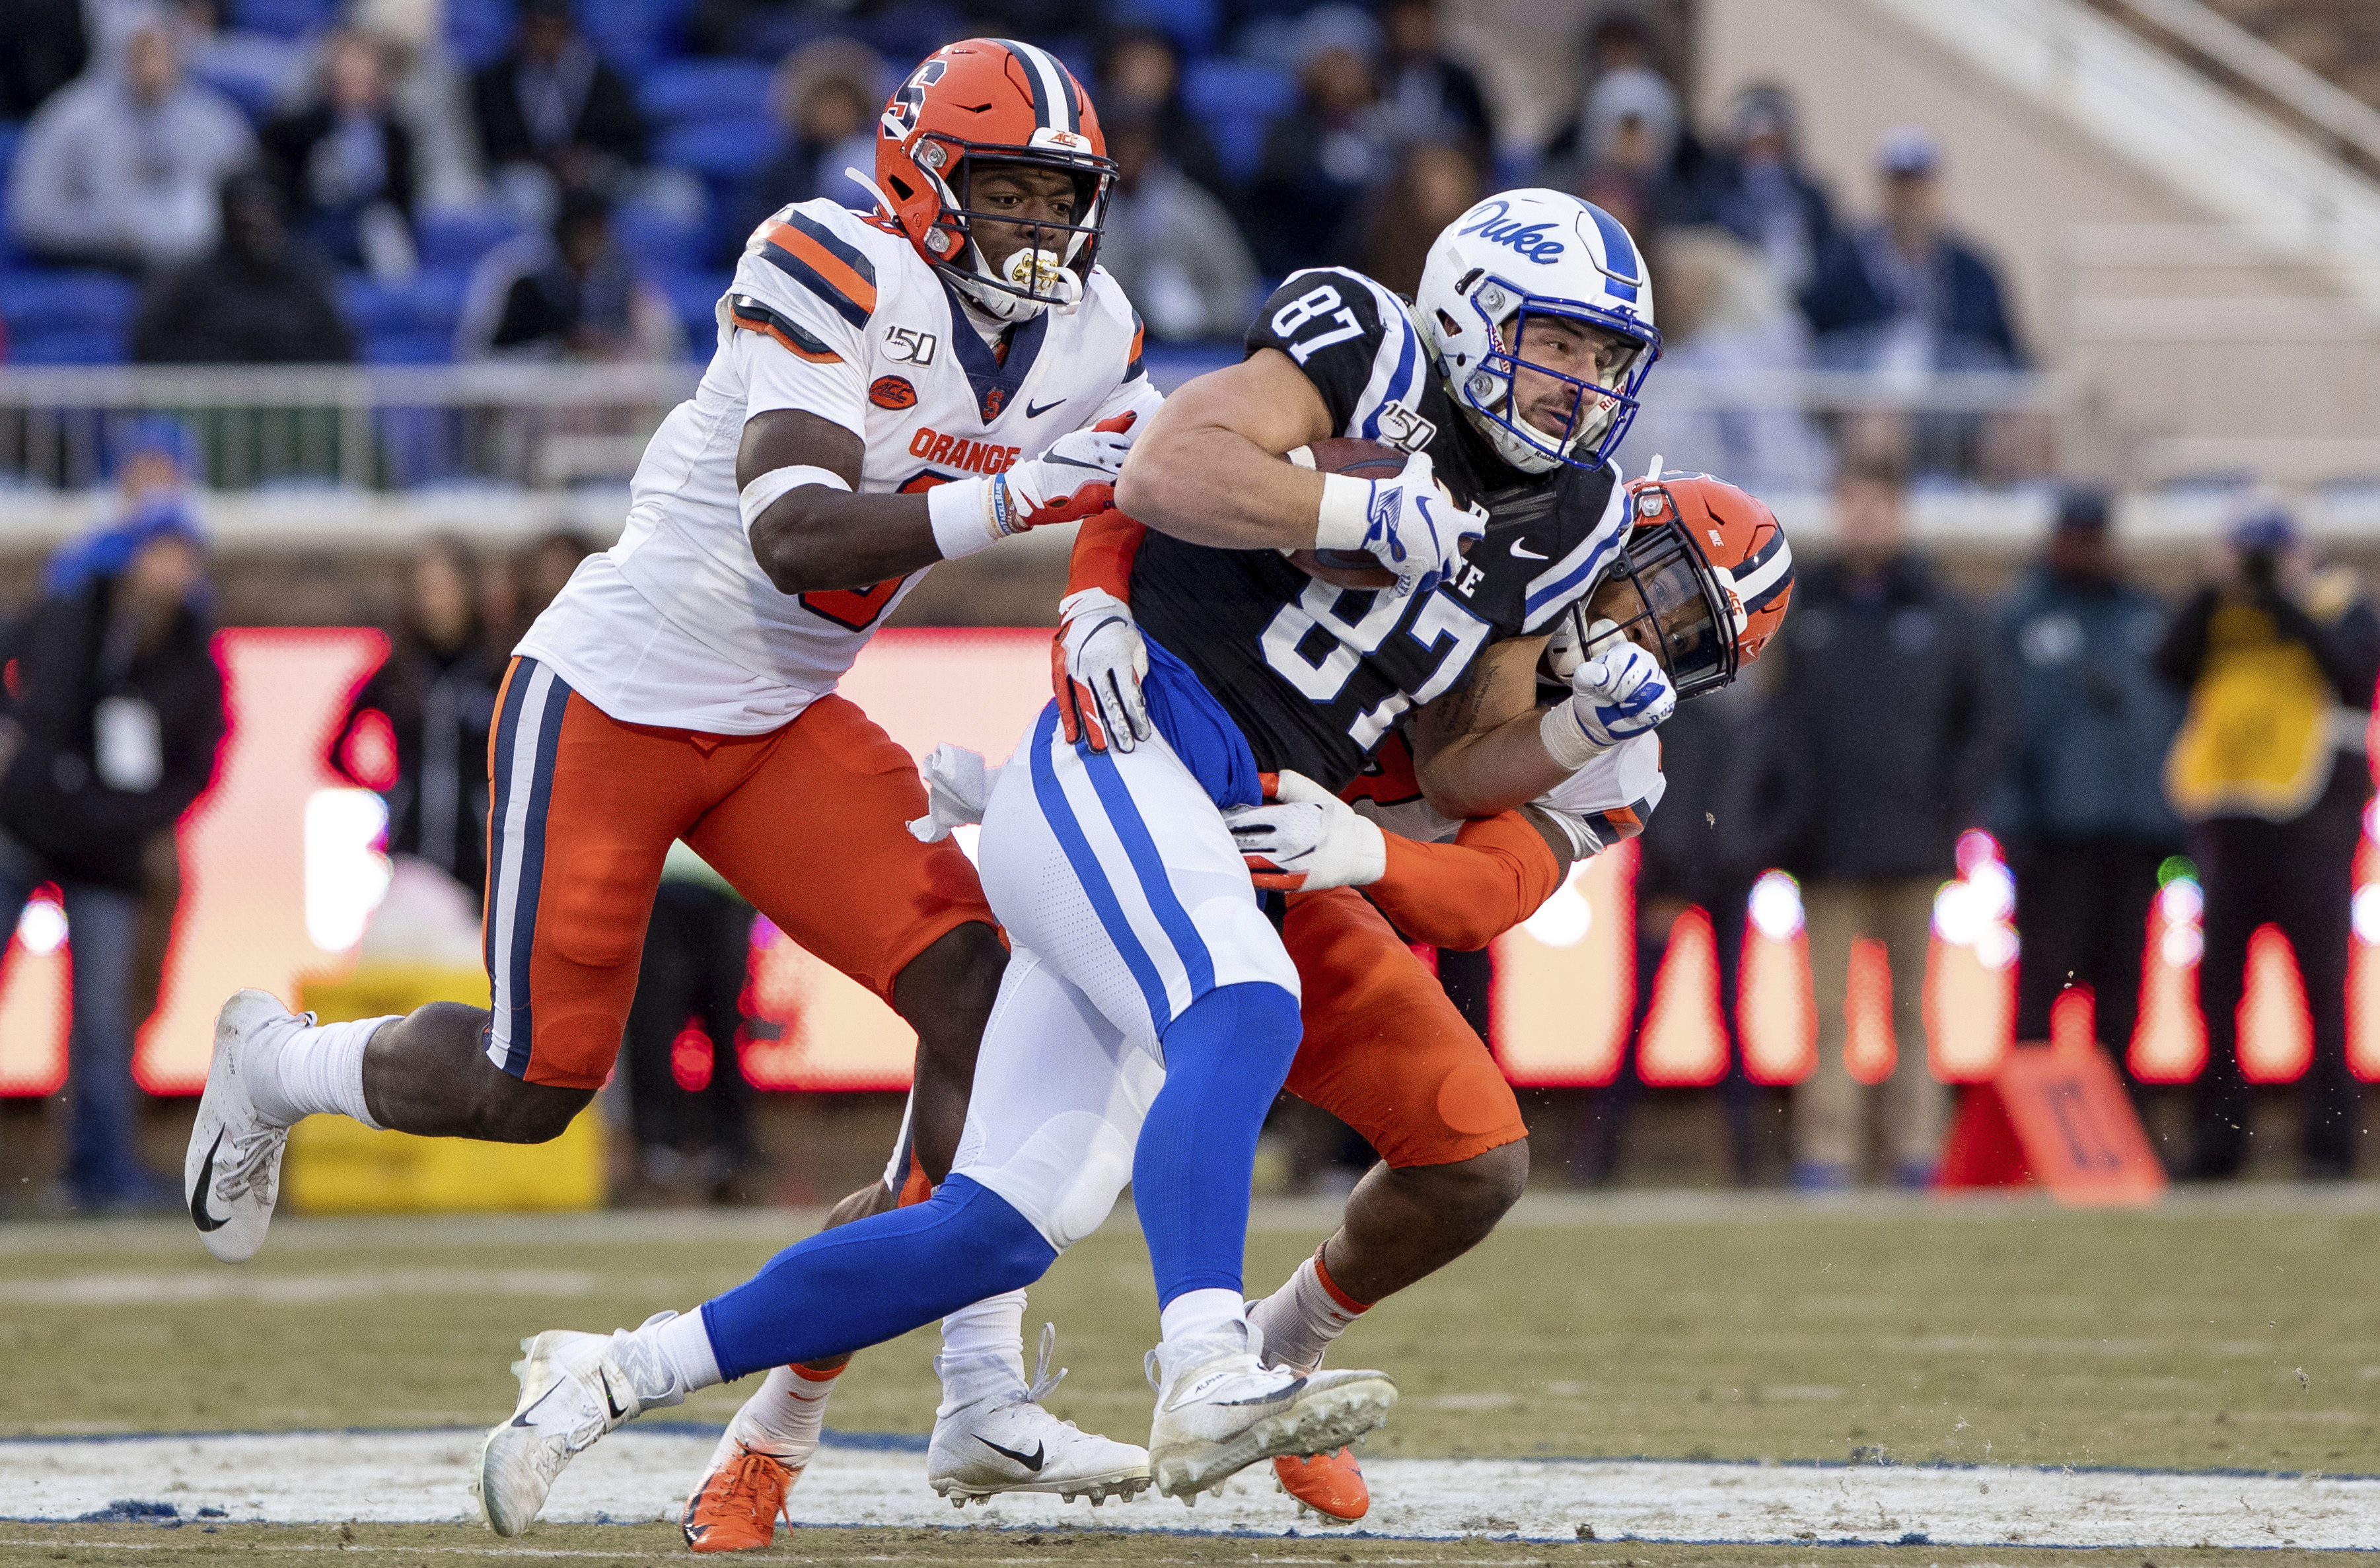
<point>1513,377</point>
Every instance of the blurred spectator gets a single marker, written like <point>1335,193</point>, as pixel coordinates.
<point>257,300</point>
<point>1434,185</point>
<point>345,165</point>
<point>1326,150</point>
<point>1140,75</point>
<point>1761,193</point>
<point>431,95</point>
<point>1884,732</point>
<point>1694,853</point>
<point>1631,126</point>
<point>120,169</point>
<point>437,695</point>
<point>1171,243</point>
<point>2278,657</point>
<point>2082,806</point>
<point>1620,40</point>
<point>47,49</point>
<point>117,708</point>
<point>1904,294</point>
<point>826,95</point>
<point>1431,97</point>
<point>262,72</point>
<point>1730,337</point>
<point>551,114</point>
<point>692,1122</point>
<point>571,295</point>
<point>518,594</point>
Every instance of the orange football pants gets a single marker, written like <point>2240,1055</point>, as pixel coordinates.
<point>807,822</point>
<point>1385,1051</point>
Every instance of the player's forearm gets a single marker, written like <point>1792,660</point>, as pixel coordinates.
<point>1466,894</point>
<point>1206,485</point>
<point>818,538</point>
<point>1488,771</point>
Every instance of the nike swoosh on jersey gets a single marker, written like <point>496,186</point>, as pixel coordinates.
<point>199,1215</point>
<point>1034,412</point>
<point>1521,552</point>
<point>1030,1461</point>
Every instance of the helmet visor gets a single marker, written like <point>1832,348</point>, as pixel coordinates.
<point>1661,595</point>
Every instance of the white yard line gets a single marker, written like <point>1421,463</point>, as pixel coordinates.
<point>399,1477</point>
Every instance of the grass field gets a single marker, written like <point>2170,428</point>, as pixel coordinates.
<point>2233,1330</point>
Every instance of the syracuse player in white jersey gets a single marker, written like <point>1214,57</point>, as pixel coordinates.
<point>888,392</point>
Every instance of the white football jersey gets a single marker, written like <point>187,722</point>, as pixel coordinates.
<point>834,315</point>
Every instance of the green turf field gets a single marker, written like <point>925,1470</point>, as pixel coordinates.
<point>2235,1330</point>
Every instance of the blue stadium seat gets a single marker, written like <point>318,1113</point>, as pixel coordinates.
<point>725,151</point>
<point>633,34</point>
<point>688,91</point>
<point>658,239</point>
<point>283,18</point>
<point>71,346</point>
<point>409,348</point>
<point>478,31</point>
<point>44,303</point>
<point>1238,100</point>
<point>457,237</point>
<point>425,304</point>
<point>1192,24</point>
<point>694,293</point>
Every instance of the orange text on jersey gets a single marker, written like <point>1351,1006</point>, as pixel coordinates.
<point>958,452</point>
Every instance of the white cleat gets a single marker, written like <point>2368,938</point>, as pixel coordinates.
<point>1220,1410</point>
<point>574,1388</point>
<point>232,1172</point>
<point>1006,1443</point>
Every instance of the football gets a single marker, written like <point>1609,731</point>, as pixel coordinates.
<point>1363,460</point>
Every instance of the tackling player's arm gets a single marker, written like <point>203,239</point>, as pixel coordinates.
<point>1477,749</point>
<point>1466,894</point>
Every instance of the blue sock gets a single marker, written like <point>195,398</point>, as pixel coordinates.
<point>875,1279</point>
<point>1224,1061</point>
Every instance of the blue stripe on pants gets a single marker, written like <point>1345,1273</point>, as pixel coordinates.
<point>1060,814</point>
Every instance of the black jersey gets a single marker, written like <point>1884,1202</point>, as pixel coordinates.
<point>1314,675</point>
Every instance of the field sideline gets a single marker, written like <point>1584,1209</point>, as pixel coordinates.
<point>2224,1333</point>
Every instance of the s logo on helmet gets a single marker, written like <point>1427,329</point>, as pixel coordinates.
<point>892,391</point>
<point>901,114</point>
<point>1496,225</point>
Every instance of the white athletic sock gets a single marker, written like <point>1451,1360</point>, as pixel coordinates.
<point>318,1068</point>
<point>983,1353</point>
<point>680,1344</point>
<point>1197,1312</point>
<point>785,1416</point>
<point>1299,1319</point>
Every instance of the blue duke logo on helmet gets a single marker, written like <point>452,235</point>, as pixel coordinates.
<point>1565,391</point>
<point>1492,224</point>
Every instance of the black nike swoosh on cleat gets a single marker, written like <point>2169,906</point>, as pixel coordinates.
<point>617,1414</point>
<point>522,1420</point>
<point>1030,1461</point>
<point>199,1215</point>
<point>1033,412</point>
<point>1290,1392</point>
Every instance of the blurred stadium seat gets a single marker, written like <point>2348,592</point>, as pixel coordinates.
<point>283,18</point>
<point>458,237</point>
<point>67,317</point>
<point>1238,98</point>
<point>685,92</point>
<point>660,239</point>
<point>694,293</point>
<point>722,151</point>
<point>477,30</point>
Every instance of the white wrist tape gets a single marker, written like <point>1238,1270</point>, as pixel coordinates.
<point>1564,741</point>
<point>1346,515</point>
<point>763,492</point>
<point>959,512</point>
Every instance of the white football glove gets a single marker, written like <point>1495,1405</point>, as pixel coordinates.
<point>958,785</point>
<point>1071,480</point>
<point>1618,695</point>
<point>1409,524</point>
<point>1096,664</point>
<point>1311,840</point>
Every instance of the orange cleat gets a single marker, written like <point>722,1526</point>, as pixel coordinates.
<point>736,1507</point>
<point>1330,1484</point>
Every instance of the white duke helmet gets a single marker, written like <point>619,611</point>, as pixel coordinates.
<point>1544,253</point>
